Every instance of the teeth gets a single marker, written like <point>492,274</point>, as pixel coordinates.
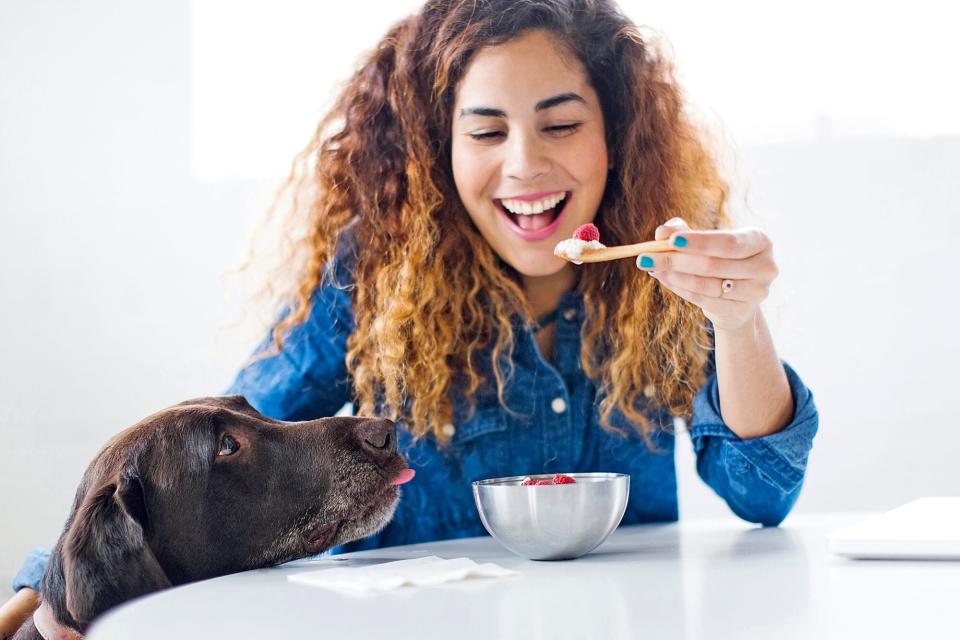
<point>525,208</point>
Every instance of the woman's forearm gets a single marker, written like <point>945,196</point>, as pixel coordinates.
<point>755,397</point>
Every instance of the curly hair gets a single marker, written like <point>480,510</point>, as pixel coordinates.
<point>430,295</point>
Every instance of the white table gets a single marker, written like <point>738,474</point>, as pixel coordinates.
<point>695,579</point>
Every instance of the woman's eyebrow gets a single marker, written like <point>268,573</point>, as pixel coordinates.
<point>540,106</point>
<point>560,99</point>
<point>483,111</point>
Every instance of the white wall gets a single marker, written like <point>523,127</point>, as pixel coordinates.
<point>111,252</point>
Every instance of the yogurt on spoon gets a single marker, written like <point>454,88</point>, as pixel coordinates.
<point>586,236</point>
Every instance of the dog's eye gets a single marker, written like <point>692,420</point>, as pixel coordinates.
<point>228,446</point>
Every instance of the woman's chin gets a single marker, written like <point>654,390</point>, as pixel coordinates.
<point>537,266</point>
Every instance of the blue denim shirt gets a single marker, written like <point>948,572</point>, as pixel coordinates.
<point>552,426</point>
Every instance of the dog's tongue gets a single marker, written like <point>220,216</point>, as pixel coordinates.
<point>404,476</point>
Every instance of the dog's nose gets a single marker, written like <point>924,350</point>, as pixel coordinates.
<point>378,438</point>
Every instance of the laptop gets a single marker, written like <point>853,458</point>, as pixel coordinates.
<point>927,529</point>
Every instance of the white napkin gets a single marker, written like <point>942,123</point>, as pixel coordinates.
<point>387,576</point>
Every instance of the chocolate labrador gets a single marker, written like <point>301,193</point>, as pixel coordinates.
<point>210,487</point>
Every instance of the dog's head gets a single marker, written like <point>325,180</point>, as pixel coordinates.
<point>210,487</point>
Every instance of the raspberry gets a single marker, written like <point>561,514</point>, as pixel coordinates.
<point>545,482</point>
<point>528,482</point>
<point>561,478</point>
<point>587,232</point>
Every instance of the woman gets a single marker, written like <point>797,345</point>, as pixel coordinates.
<point>476,136</point>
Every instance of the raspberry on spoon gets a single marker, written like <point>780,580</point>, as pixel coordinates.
<point>587,232</point>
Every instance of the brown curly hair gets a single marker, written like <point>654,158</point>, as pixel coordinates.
<point>430,295</point>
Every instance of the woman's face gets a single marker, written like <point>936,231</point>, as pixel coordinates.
<point>529,151</point>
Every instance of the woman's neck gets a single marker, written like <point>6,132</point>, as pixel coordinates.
<point>544,292</point>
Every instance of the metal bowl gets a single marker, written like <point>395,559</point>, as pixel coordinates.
<point>552,522</point>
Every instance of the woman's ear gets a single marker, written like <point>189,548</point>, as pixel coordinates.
<point>106,559</point>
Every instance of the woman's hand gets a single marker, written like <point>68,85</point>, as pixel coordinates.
<point>726,273</point>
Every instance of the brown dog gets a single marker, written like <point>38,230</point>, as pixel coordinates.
<point>210,487</point>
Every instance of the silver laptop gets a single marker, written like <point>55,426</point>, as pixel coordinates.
<point>928,528</point>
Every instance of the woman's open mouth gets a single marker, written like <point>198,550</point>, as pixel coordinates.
<point>534,220</point>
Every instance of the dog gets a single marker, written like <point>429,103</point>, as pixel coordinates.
<point>210,487</point>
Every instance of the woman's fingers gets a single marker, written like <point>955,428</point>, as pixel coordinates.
<point>16,610</point>
<point>712,305</point>
<point>728,289</point>
<point>759,267</point>
<point>670,227</point>
<point>727,273</point>
<point>736,244</point>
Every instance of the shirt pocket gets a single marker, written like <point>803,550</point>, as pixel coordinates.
<point>478,449</point>
<point>480,446</point>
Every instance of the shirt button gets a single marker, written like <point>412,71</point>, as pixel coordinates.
<point>448,430</point>
<point>558,405</point>
<point>649,390</point>
<point>569,315</point>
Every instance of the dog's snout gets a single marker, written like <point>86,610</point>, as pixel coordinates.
<point>378,438</point>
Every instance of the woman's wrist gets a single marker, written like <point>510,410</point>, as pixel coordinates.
<point>747,330</point>
<point>755,396</point>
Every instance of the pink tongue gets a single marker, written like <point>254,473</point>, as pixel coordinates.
<point>537,221</point>
<point>404,476</point>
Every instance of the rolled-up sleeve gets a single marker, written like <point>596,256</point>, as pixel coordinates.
<point>759,478</point>
<point>32,570</point>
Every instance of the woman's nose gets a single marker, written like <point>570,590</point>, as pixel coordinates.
<point>526,159</point>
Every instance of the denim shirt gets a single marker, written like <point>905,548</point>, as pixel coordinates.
<point>552,425</point>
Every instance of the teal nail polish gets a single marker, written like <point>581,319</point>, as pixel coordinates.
<point>646,262</point>
<point>680,241</point>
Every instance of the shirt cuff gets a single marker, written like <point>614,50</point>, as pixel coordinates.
<point>32,570</point>
<point>780,457</point>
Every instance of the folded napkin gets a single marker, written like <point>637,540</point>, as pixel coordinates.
<point>387,576</point>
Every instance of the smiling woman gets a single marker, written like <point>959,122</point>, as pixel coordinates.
<point>451,137</point>
<point>474,138</point>
<point>528,149</point>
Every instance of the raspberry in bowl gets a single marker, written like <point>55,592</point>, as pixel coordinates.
<point>552,516</point>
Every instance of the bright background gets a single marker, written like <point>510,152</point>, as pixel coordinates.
<point>140,143</point>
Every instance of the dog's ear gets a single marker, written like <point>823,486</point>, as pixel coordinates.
<point>106,559</point>
<point>234,403</point>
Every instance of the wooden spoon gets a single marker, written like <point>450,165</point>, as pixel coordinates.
<point>620,251</point>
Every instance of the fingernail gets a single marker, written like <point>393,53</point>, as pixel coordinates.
<point>645,262</point>
<point>673,222</point>
<point>680,241</point>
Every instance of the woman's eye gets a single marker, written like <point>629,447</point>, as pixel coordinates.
<point>484,136</point>
<point>563,129</point>
<point>228,446</point>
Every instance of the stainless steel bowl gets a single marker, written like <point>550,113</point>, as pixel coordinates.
<point>552,522</point>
